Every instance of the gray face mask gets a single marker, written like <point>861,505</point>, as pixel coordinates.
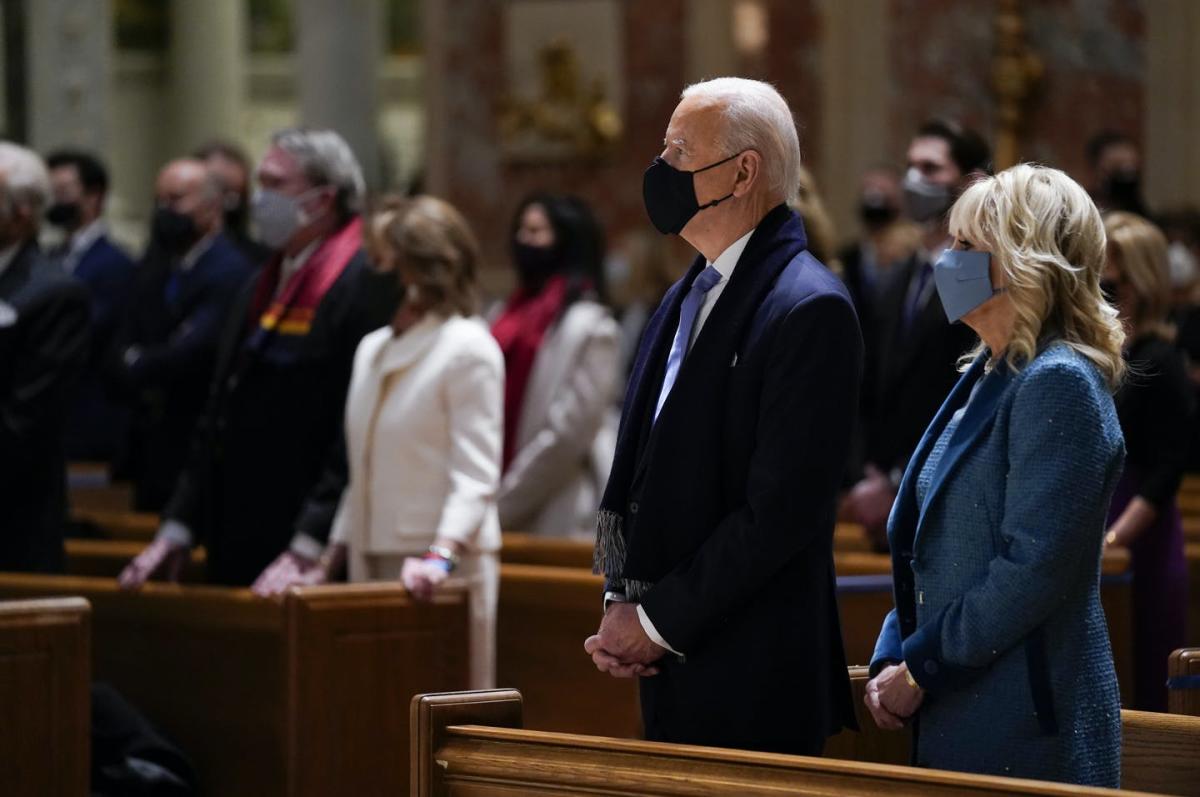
<point>277,216</point>
<point>924,201</point>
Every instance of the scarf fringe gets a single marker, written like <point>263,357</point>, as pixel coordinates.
<point>608,558</point>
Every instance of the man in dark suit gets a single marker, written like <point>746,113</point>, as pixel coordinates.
<point>716,529</point>
<point>168,345</point>
<point>914,351</point>
<point>43,347</point>
<point>267,465</point>
<point>79,184</point>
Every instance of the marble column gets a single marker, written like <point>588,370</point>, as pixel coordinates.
<point>854,102</point>
<point>69,53</point>
<point>207,70</point>
<point>1172,160</point>
<point>337,59</point>
<point>710,51</point>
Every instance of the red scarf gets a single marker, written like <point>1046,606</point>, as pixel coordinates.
<point>292,311</point>
<point>519,330</point>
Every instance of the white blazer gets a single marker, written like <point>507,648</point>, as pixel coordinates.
<point>567,430</point>
<point>424,430</point>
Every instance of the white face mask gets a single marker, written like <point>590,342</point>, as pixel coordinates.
<point>1182,265</point>
<point>277,216</point>
<point>924,201</point>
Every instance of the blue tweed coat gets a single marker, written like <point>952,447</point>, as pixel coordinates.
<point>997,597</point>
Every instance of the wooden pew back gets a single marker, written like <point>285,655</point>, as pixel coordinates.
<point>45,679</point>
<point>1183,682</point>
<point>299,696</point>
<point>472,743</point>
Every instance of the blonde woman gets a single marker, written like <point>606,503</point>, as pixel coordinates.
<point>997,646</point>
<point>424,428</point>
<point>1155,409</point>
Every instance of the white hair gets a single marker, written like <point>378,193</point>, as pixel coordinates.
<point>25,181</point>
<point>326,159</point>
<point>756,117</point>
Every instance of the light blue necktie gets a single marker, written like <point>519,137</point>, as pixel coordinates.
<point>692,303</point>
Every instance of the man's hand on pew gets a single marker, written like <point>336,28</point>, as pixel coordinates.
<point>892,698</point>
<point>621,647</point>
<point>162,557</point>
<point>289,569</point>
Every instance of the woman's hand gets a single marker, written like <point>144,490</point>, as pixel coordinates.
<point>898,693</point>
<point>885,719</point>
<point>422,576</point>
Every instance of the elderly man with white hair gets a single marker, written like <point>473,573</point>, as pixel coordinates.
<point>268,464</point>
<point>715,533</point>
<point>45,318</point>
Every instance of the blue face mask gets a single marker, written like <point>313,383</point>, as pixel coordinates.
<point>964,281</point>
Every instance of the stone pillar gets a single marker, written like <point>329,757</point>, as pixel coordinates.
<point>207,70</point>
<point>710,51</point>
<point>1172,160</point>
<point>337,60</point>
<point>434,19</point>
<point>69,52</point>
<point>854,102</point>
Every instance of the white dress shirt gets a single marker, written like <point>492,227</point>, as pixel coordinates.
<point>82,241</point>
<point>725,263</point>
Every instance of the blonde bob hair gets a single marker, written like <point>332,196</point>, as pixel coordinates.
<point>1046,234</point>
<point>1138,250</point>
<point>434,247</point>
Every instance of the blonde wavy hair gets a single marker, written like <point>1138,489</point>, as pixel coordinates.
<point>1047,236</point>
<point>1138,250</point>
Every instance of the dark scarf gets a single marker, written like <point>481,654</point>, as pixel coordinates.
<point>778,239</point>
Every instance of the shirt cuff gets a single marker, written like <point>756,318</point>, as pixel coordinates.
<point>175,533</point>
<point>613,597</point>
<point>652,632</point>
<point>306,546</point>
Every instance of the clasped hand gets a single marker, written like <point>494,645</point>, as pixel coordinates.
<point>621,647</point>
<point>891,699</point>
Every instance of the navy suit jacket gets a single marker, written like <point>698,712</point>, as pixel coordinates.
<point>43,348</point>
<point>177,334</point>
<point>97,425</point>
<point>719,517</point>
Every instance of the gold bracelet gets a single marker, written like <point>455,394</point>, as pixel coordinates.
<point>911,681</point>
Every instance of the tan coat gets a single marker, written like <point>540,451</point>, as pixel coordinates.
<point>567,430</point>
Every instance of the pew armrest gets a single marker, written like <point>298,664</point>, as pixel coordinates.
<point>431,714</point>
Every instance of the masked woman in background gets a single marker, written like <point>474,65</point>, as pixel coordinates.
<point>560,345</point>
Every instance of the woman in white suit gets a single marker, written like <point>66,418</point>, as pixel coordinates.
<point>424,428</point>
<point>560,345</point>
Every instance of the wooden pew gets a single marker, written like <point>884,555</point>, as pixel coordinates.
<point>1192,552</point>
<point>108,523</point>
<point>545,613</point>
<point>1183,682</point>
<point>473,744</point>
<point>301,696</point>
<point>107,558</point>
<point>89,484</point>
<point>45,675</point>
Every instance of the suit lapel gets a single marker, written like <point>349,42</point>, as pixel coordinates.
<point>905,512</point>
<point>776,241</point>
<point>978,418</point>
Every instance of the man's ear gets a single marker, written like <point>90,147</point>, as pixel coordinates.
<point>749,164</point>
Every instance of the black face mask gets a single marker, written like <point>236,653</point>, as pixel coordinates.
<point>670,195</point>
<point>173,231</point>
<point>64,214</point>
<point>875,211</point>
<point>534,264</point>
<point>1124,189</point>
